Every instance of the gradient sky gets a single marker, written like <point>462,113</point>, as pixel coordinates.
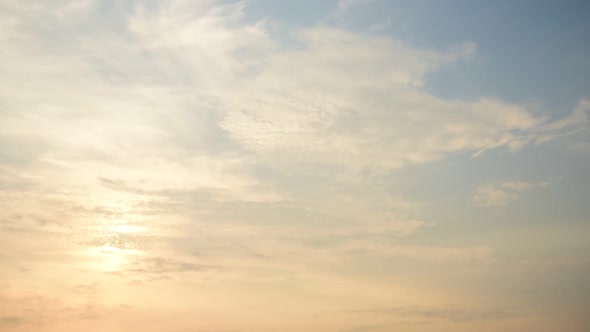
<point>321,166</point>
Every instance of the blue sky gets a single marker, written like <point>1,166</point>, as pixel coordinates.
<point>353,165</point>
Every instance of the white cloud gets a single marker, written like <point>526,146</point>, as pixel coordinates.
<point>502,194</point>
<point>574,123</point>
<point>355,100</point>
<point>578,117</point>
<point>189,109</point>
<point>187,78</point>
<point>490,195</point>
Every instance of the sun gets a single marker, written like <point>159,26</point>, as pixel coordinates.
<point>117,243</point>
<point>112,259</point>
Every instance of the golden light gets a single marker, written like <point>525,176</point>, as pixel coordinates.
<point>126,229</point>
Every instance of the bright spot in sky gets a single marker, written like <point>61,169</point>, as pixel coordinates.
<point>126,229</point>
<point>111,259</point>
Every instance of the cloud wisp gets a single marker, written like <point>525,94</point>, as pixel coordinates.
<point>496,195</point>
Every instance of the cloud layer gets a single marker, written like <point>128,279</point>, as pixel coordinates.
<point>150,150</point>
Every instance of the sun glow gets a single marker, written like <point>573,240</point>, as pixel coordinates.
<point>112,259</point>
<point>115,246</point>
<point>126,229</point>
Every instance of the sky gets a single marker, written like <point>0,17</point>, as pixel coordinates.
<point>321,166</point>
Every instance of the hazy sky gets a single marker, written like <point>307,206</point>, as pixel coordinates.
<point>321,166</point>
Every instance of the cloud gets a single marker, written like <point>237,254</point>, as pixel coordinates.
<point>574,123</point>
<point>190,95</point>
<point>27,311</point>
<point>186,109</point>
<point>358,102</point>
<point>187,113</point>
<point>517,186</point>
<point>495,195</point>
<point>578,117</point>
<point>184,141</point>
<point>11,320</point>
<point>451,313</point>
<point>363,328</point>
<point>335,250</point>
<point>141,269</point>
<point>427,253</point>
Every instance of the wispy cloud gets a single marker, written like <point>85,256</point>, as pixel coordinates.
<point>452,313</point>
<point>502,194</point>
